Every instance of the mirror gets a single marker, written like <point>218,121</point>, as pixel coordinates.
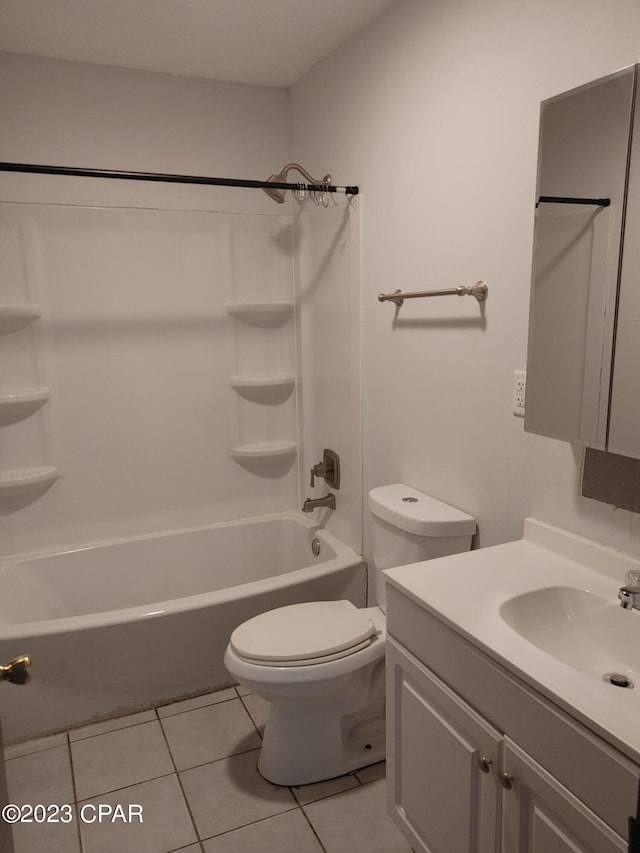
<point>624,416</point>
<point>580,214</point>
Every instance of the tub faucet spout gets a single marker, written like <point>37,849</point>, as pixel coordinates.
<point>629,597</point>
<point>311,503</point>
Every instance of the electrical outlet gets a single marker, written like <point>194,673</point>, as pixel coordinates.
<point>519,392</point>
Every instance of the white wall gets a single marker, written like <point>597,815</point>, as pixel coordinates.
<point>76,114</point>
<point>433,110</point>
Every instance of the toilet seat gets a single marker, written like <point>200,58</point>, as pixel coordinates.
<point>304,634</point>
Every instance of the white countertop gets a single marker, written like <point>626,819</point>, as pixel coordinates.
<point>466,592</point>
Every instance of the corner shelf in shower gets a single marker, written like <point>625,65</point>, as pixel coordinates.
<point>264,450</point>
<point>260,313</point>
<point>19,403</point>
<point>246,382</point>
<point>23,479</point>
<point>14,317</point>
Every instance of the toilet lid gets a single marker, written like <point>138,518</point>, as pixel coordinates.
<point>298,632</point>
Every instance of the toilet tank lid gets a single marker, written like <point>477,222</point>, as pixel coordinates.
<point>417,513</point>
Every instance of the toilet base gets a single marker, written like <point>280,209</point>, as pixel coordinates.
<point>302,746</point>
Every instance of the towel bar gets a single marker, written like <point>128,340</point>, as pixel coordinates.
<point>479,290</point>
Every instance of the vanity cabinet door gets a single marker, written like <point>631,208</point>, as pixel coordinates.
<point>442,763</point>
<point>539,815</point>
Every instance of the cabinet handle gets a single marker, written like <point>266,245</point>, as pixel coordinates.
<point>484,763</point>
<point>506,781</point>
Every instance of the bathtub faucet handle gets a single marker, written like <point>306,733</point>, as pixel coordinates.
<point>328,470</point>
<point>318,470</point>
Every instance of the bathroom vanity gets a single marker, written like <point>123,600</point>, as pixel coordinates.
<point>505,732</point>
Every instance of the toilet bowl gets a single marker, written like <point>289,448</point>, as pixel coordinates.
<point>321,664</point>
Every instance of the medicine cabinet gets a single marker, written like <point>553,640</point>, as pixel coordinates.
<point>584,322</point>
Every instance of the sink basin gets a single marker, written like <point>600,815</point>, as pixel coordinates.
<point>578,628</point>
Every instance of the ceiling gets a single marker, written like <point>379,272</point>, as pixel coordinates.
<point>266,42</point>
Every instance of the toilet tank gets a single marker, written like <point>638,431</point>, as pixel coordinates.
<point>409,526</point>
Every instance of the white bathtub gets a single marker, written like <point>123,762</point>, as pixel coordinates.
<point>119,626</point>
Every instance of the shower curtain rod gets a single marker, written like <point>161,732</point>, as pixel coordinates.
<point>559,199</point>
<point>34,168</point>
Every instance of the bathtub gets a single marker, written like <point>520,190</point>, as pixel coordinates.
<point>120,626</point>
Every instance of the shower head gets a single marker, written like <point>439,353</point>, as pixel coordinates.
<point>282,178</point>
<point>274,193</point>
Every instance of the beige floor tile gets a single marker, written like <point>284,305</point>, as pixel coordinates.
<point>357,821</point>
<point>41,777</point>
<point>197,702</point>
<point>372,772</point>
<point>258,709</point>
<point>284,833</point>
<point>47,837</point>
<point>165,825</point>
<point>36,745</point>
<point>230,793</point>
<point>319,790</point>
<point>207,734</point>
<point>112,725</point>
<point>119,759</point>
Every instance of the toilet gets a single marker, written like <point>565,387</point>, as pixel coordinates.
<point>321,663</point>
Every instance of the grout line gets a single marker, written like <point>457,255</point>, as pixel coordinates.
<point>109,731</point>
<point>222,758</point>
<point>182,790</point>
<point>123,788</point>
<point>252,822</point>
<point>312,827</point>
<point>35,751</point>
<point>255,726</point>
<point>75,794</point>
<point>189,710</point>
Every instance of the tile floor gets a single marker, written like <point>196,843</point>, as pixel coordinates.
<point>191,766</point>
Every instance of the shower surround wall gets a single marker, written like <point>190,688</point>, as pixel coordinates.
<point>163,383</point>
<point>140,348</point>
